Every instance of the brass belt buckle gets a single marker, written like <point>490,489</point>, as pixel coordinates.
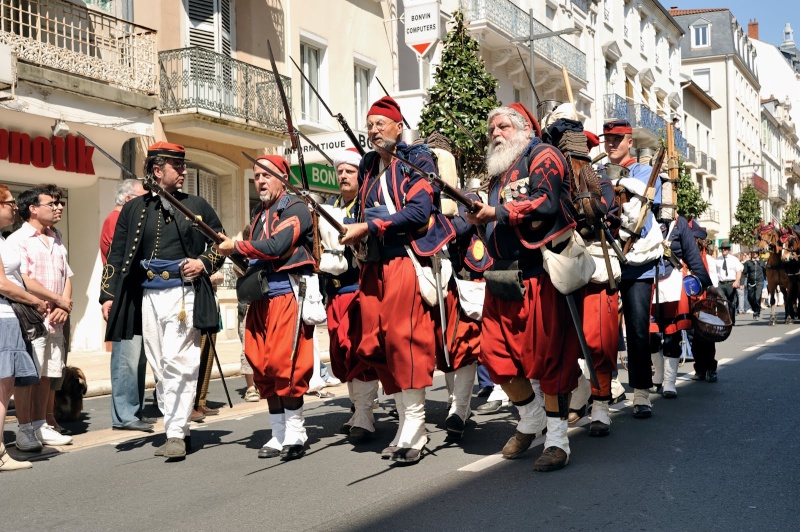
<point>151,275</point>
<point>165,275</point>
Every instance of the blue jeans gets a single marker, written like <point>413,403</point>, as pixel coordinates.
<point>483,377</point>
<point>128,365</point>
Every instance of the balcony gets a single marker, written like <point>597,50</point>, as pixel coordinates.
<point>792,171</point>
<point>511,22</point>
<point>778,195</point>
<point>71,38</point>
<point>647,125</point>
<point>681,144</point>
<point>712,166</point>
<point>709,215</point>
<point>691,160</point>
<point>758,183</point>
<point>702,162</point>
<point>214,96</point>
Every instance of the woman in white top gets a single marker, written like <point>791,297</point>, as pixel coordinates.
<point>16,363</point>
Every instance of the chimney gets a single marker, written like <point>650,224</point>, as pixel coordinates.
<point>752,29</point>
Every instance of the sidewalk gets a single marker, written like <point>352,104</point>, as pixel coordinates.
<point>96,365</point>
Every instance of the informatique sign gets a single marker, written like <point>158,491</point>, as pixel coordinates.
<point>321,176</point>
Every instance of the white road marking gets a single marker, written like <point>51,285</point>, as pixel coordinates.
<point>793,331</point>
<point>772,340</point>
<point>722,361</point>
<point>242,417</point>
<point>483,463</point>
<point>758,346</point>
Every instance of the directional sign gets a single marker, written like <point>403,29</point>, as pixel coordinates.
<point>321,178</point>
<point>422,22</point>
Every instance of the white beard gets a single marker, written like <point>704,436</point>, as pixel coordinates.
<point>502,153</point>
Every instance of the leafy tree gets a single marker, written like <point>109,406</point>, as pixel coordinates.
<point>791,214</point>
<point>748,214</point>
<point>467,90</point>
<point>690,202</point>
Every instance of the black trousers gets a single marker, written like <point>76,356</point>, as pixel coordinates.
<point>732,296</point>
<point>636,296</point>
<point>754,297</point>
<point>704,352</point>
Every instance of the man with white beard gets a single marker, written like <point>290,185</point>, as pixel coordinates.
<point>526,324</point>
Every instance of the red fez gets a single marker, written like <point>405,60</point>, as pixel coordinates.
<point>528,116</point>
<point>279,162</point>
<point>387,107</point>
<point>617,127</point>
<point>592,140</point>
<point>166,149</point>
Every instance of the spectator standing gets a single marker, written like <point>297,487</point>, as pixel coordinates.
<point>729,272</point>
<point>754,273</point>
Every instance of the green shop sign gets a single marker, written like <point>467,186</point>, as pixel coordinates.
<point>321,178</point>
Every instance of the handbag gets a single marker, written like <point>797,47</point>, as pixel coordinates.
<point>30,320</point>
<point>573,267</point>
<point>254,284</point>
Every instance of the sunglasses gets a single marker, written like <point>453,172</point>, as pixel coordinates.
<point>54,204</point>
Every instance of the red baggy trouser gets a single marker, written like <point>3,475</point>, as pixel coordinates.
<point>534,338</point>
<point>344,329</point>
<point>601,329</point>
<point>268,347</point>
<point>463,335</point>
<point>671,318</point>
<point>397,328</point>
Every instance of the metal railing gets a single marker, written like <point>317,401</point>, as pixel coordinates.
<point>793,169</point>
<point>712,166</point>
<point>777,192</point>
<point>81,41</point>
<point>702,160</point>
<point>681,144</point>
<point>617,107</point>
<point>229,276</point>
<point>583,5</point>
<point>641,116</point>
<point>647,119</point>
<point>690,155</point>
<point>760,184</point>
<point>709,215</point>
<point>195,79</point>
<point>516,23</point>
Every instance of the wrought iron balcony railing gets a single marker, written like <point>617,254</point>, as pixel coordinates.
<point>702,160</point>
<point>647,119</point>
<point>618,107</point>
<point>690,155</point>
<point>758,183</point>
<point>515,22</point>
<point>712,166</point>
<point>72,38</point>
<point>778,194</point>
<point>681,144</point>
<point>641,116</point>
<point>709,215</point>
<point>198,80</point>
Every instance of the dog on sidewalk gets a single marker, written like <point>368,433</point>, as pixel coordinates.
<point>69,399</point>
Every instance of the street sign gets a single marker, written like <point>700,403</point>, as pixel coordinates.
<point>321,177</point>
<point>422,22</point>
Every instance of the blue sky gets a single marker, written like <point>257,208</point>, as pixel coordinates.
<point>772,16</point>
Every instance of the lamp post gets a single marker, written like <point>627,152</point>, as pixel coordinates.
<point>535,37</point>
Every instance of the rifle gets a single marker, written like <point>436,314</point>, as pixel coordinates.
<point>649,196</point>
<point>313,145</point>
<point>287,111</point>
<point>433,179</point>
<point>463,129</point>
<point>337,116</point>
<point>304,195</point>
<point>197,221</point>
<point>405,122</point>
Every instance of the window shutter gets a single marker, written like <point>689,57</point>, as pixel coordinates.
<point>190,183</point>
<point>209,188</point>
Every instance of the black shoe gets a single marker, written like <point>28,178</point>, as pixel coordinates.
<point>701,376</point>
<point>345,429</point>
<point>268,452</point>
<point>711,376</point>
<point>394,414</point>
<point>619,399</point>
<point>135,425</point>
<point>406,456</point>
<point>292,452</point>
<point>149,420</point>
<point>598,428</point>
<point>485,391</point>
<point>359,435</point>
<point>454,425</point>
<point>642,411</point>
<point>669,394</point>
<point>387,452</point>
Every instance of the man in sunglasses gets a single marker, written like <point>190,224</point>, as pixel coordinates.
<point>156,285</point>
<point>637,276</point>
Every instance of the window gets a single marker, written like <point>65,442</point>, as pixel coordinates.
<point>362,80</point>
<point>201,183</point>
<point>311,58</point>
<point>702,77</point>
<point>210,25</point>
<point>700,35</point>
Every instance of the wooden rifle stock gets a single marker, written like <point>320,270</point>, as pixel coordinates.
<point>649,195</point>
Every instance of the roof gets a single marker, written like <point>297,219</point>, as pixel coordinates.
<point>679,12</point>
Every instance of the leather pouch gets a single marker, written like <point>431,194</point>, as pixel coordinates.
<point>253,285</point>
<point>505,284</point>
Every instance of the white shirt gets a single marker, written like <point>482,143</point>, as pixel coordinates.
<point>733,264</point>
<point>11,262</point>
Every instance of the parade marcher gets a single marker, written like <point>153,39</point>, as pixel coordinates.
<point>705,351</point>
<point>672,314</point>
<point>396,216</point>
<point>17,366</point>
<point>636,286</point>
<point>46,274</point>
<point>156,284</point>
<point>753,273</point>
<point>464,307</point>
<point>729,271</point>
<point>128,360</point>
<point>526,327</point>
<point>344,318</point>
<point>278,343</point>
